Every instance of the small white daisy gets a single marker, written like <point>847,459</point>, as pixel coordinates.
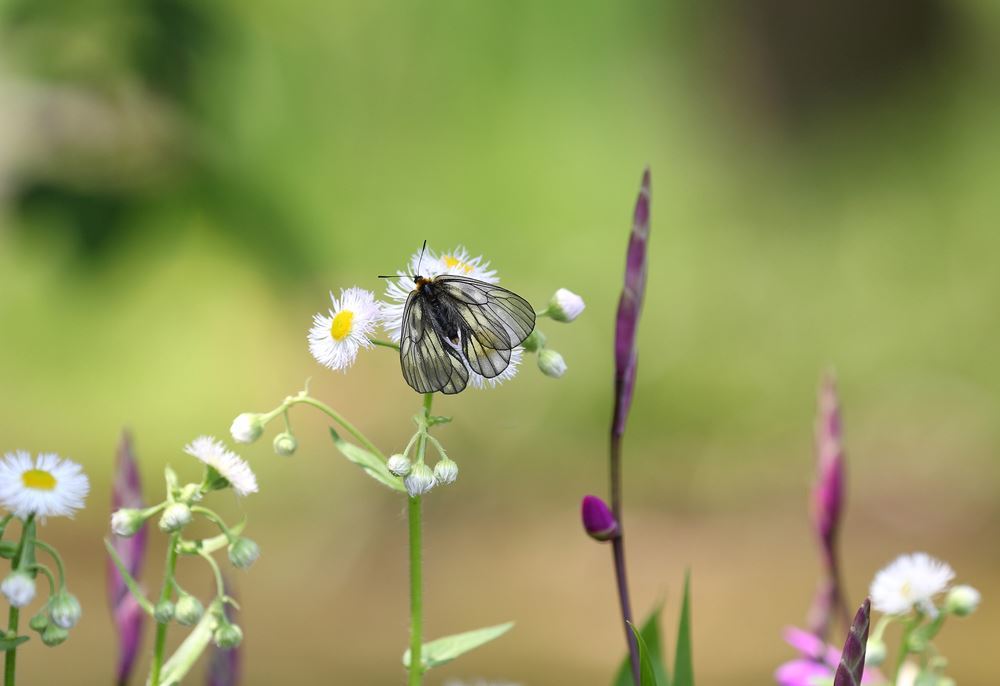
<point>334,340</point>
<point>45,487</point>
<point>227,463</point>
<point>479,381</point>
<point>910,581</point>
<point>457,261</point>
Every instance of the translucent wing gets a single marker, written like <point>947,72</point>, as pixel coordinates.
<point>491,319</point>
<point>428,363</point>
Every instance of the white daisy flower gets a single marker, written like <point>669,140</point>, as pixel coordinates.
<point>46,487</point>
<point>479,381</point>
<point>910,581</point>
<point>334,340</point>
<point>227,463</point>
<point>457,261</point>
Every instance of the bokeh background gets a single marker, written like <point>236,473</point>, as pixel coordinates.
<point>182,182</point>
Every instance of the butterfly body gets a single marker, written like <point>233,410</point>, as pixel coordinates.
<point>454,324</point>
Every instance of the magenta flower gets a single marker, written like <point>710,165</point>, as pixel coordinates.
<point>126,613</point>
<point>817,660</point>
<point>852,660</point>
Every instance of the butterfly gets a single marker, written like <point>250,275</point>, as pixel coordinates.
<point>452,324</point>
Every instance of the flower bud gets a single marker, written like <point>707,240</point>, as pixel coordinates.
<point>18,588</point>
<point>64,610</point>
<point>399,464</point>
<point>420,480</point>
<point>163,612</point>
<point>962,600</point>
<point>875,652</point>
<point>228,635</point>
<point>445,471</point>
<point>127,521</point>
<point>39,621</point>
<point>247,428</point>
<point>188,609</point>
<point>175,518</point>
<point>551,363</point>
<point>534,342</point>
<point>54,635</point>
<point>565,306</point>
<point>285,444</point>
<point>243,552</point>
<point>598,520</point>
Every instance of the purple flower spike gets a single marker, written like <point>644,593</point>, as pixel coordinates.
<point>598,521</point>
<point>629,307</point>
<point>827,505</point>
<point>852,660</point>
<point>128,617</point>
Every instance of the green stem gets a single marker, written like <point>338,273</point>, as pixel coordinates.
<point>55,556</point>
<point>385,344</point>
<point>904,647</point>
<point>214,518</point>
<point>14,616</point>
<point>337,417</point>
<point>220,585</point>
<point>165,593</point>
<point>416,572</point>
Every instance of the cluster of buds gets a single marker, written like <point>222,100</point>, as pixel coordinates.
<point>418,477</point>
<point>564,306</point>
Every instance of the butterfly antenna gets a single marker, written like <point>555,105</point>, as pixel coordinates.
<point>420,261</point>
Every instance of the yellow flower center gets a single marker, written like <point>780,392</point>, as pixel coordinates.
<point>341,326</point>
<point>452,262</point>
<point>39,480</point>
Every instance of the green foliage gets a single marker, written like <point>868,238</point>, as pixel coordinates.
<point>647,676</point>
<point>373,466</point>
<point>650,633</point>
<point>11,643</point>
<point>443,650</point>
<point>683,662</point>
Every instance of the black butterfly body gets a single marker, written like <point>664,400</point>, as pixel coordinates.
<point>449,321</point>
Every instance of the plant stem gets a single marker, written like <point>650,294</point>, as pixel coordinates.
<point>618,553</point>
<point>165,593</point>
<point>337,417</point>
<point>416,572</point>
<point>14,616</point>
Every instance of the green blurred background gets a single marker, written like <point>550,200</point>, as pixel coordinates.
<point>182,182</point>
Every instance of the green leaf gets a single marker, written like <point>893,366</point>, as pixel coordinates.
<point>647,677</point>
<point>188,652</point>
<point>683,662</point>
<point>11,643</point>
<point>8,549</point>
<point>132,584</point>
<point>442,650</point>
<point>650,633</point>
<point>372,464</point>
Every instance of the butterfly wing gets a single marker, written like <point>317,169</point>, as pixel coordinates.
<point>428,363</point>
<point>491,319</point>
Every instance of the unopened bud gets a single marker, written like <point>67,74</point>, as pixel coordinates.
<point>18,588</point>
<point>420,480</point>
<point>228,635</point>
<point>247,428</point>
<point>534,342</point>
<point>54,635</point>
<point>39,621</point>
<point>64,610</point>
<point>399,464</point>
<point>175,518</point>
<point>127,521</point>
<point>163,612</point>
<point>243,553</point>
<point>188,610</point>
<point>565,305</point>
<point>598,520</point>
<point>551,363</point>
<point>962,600</point>
<point>875,653</point>
<point>445,471</point>
<point>285,444</point>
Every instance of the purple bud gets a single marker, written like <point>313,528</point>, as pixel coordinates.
<point>598,521</point>
<point>828,493</point>
<point>852,660</point>
<point>128,617</point>
<point>629,307</point>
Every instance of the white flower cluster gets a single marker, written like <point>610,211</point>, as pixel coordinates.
<point>912,581</point>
